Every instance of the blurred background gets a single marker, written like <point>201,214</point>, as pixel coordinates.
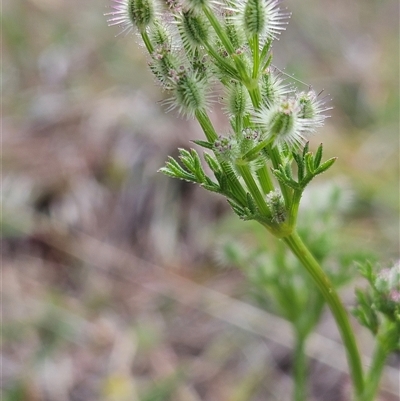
<point>114,283</point>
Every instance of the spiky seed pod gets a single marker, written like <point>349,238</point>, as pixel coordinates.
<point>273,88</point>
<point>163,61</point>
<point>254,17</point>
<point>190,92</point>
<point>201,65</point>
<point>132,13</point>
<point>235,33</point>
<point>160,35</point>
<point>238,100</point>
<point>312,108</point>
<point>193,28</point>
<point>262,17</point>
<point>276,204</point>
<point>196,5</point>
<point>281,123</point>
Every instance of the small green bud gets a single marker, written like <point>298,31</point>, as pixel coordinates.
<point>249,138</point>
<point>132,13</point>
<point>276,204</point>
<point>227,147</point>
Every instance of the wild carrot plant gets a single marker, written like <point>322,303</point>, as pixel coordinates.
<point>262,163</point>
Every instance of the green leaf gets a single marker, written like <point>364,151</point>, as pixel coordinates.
<point>281,176</point>
<point>237,209</point>
<point>183,152</point>
<point>176,168</point>
<point>223,182</point>
<point>171,172</point>
<point>364,311</point>
<point>367,271</point>
<point>211,187</point>
<point>318,157</point>
<point>187,159</point>
<point>173,169</point>
<point>251,204</point>
<point>306,149</point>
<point>212,163</point>
<point>204,144</point>
<point>168,172</point>
<point>300,166</point>
<point>199,172</point>
<point>308,158</point>
<point>325,166</point>
<point>288,171</point>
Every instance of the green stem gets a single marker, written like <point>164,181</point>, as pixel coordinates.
<point>207,126</point>
<point>294,207</point>
<point>375,372</point>
<point>212,136</point>
<point>241,68</point>
<point>276,162</point>
<point>256,150</point>
<point>147,42</point>
<point>238,123</point>
<point>218,29</point>
<point>256,56</point>
<point>297,246</point>
<point>254,92</point>
<point>221,62</point>
<point>265,180</point>
<point>300,369</point>
<point>253,188</point>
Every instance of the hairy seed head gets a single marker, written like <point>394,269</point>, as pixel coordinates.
<point>311,108</point>
<point>132,13</point>
<point>281,123</point>
<point>190,92</point>
<point>261,17</point>
<point>194,30</point>
<point>238,100</point>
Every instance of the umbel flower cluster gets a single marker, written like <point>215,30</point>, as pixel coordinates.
<point>204,51</point>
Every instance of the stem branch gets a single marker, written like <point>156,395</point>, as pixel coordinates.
<point>300,369</point>
<point>297,246</point>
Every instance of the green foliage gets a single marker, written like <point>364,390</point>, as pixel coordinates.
<point>378,306</point>
<point>308,167</point>
<point>193,171</point>
<point>278,281</point>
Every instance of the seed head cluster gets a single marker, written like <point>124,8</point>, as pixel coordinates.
<point>197,46</point>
